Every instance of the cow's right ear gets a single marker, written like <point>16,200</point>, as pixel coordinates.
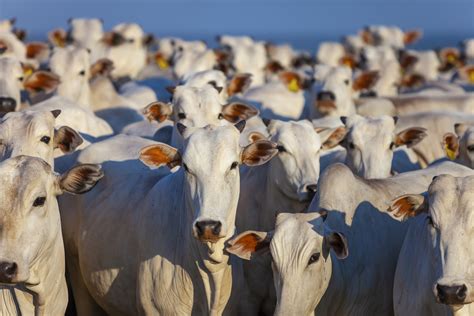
<point>331,137</point>
<point>80,179</point>
<point>158,111</point>
<point>41,81</point>
<point>250,243</point>
<point>409,205</point>
<point>160,155</point>
<point>58,37</point>
<point>102,67</point>
<point>451,145</point>
<point>238,84</point>
<point>258,153</point>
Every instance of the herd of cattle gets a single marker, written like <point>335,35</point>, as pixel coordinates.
<point>264,181</point>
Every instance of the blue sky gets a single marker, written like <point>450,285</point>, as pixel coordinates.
<point>301,22</point>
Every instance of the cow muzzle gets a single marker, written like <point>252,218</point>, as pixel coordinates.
<point>208,230</point>
<point>7,104</point>
<point>8,272</point>
<point>325,102</point>
<point>453,295</point>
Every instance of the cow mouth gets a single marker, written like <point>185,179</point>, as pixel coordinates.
<point>325,106</point>
<point>209,238</point>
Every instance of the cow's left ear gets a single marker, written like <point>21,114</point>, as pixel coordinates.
<point>58,37</point>
<point>365,80</point>
<point>249,244</point>
<point>236,112</point>
<point>331,137</point>
<point>409,205</point>
<point>80,179</point>
<point>338,243</point>
<point>238,84</point>
<point>102,67</point>
<point>160,155</point>
<point>410,136</point>
<point>258,153</point>
<point>412,36</point>
<point>66,139</point>
<point>41,81</point>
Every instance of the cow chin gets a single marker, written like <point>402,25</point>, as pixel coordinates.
<point>326,106</point>
<point>207,237</point>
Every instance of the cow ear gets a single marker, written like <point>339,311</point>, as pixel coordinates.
<point>235,112</point>
<point>331,137</point>
<point>102,67</point>
<point>248,244</point>
<point>292,80</point>
<point>41,81</point>
<point>366,37</point>
<point>410,136</point>
<point>451,145</point>
<point>365,80</point>
<point>238,84</point>
<point>256,136</point>
<point>66,139</point>
<point>80,179</point>
<point>258,153</point>
<point>159,155</point>
<point>158,111</point>
<point>467,73</point>
<point>58,37</point>
<point>412,36</point>
<point>36,49</point>
<point>338,243</point>
<point>409,205</point>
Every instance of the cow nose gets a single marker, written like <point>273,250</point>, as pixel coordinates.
<point>451,294</point>
<point>368,94</point>
<point>326,96</point>
<point>7,104</point>
<point>8,271</point>
<point>311,188</point>
<point>208,228</point>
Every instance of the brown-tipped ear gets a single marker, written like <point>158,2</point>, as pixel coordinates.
<point>58,37</point>
<point>292,80</point>
<point>67,139</point>
<point>408,205</point>
<point>451,145</point>
<point>410,136</point>
<point>367,37</point>
<point>157,111</point>
<point>248,244</point>
<point>467,73</point>
<point>274,67</point>
<point>331,137</point>
<point>449,55</point>
<point>412,36</point>
<point>41,81</point>
<point>148,39</point>
<point>338,243</point>
<point>113,39</point>
<point>102,67</point>
<point>258,153</point>
<point>365,80</point>
<point>238,84</point>
<point>256,136</point>
<point>80,179</point>
<point>159,155</point>
<point>349,61</point>
<point>171,89</point>
<point>407,60</point>
<point>235,112</point>
<point>36,49</point>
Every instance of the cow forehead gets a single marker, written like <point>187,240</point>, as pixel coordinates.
<point>30,122</point>
<point>212,144</point>
<point>292,134</point>
<point>452,193</point>
<point>368,129</point>
<point>197,99</point>
<point>129,30</point>
<point>65,59</point>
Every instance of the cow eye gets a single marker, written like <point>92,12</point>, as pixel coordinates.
<point>39,201</point>
<point>82,72</point>
<point>346,82</point>
<point>220,116</point>
<point>234,165</point>
<point>281,148</point>
<point>181,116</point>
<point>470,147</point>
<point>21,79</point>
<point>45,139</point>
<point>314,258</point>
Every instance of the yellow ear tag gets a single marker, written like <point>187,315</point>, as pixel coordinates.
<point>451,58</point>
<point>27,72</point>
<point>471,76</point>
<point>293,85</point>
<point>449,152</point>
<point>161,62</point>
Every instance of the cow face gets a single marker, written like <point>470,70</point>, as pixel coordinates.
<point>295,170</point>
<point>210,166</point>
<point>450,223</point>
<point>370,143</point>
<point>72,66</point>
<point>29,215</point>
<point>33,134</point>
<point>301,263</point>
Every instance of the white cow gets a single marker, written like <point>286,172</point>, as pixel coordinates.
<point>183,269</point>
<point>434,275</point>
<point>32,269</point>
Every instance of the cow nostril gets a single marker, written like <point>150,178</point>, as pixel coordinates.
<point>206,227</point>
<point>8,271</point>
<point>312,188</point>
<point>461,292</point>
<point>7,104</point>
<point>216,229</point>
<point>441,293</point>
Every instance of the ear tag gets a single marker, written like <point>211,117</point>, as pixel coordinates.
<point>451,58</point>
<point>27,72</point>
<point>471,76</point>
<point>161,62</point>
<point>293,85</point>
<point>449,152</point>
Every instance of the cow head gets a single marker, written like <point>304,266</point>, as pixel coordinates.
<point>460,146</point>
